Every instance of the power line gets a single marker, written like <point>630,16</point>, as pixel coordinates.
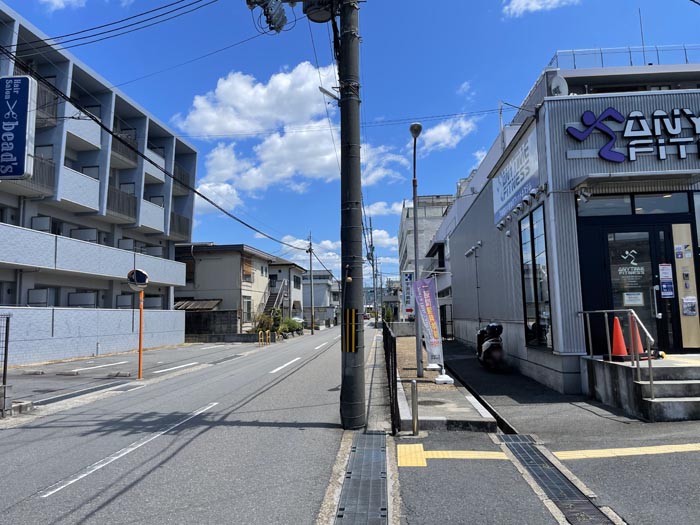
<point>94,28</point>
<point>63,48</point>
<point>135,150</point>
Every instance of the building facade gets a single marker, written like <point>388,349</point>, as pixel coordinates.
<point>430,212</point>
<point>92,210</point>
<point>326,298</point>
<point>236,275</point>
<point>288,277</point>
<point>593,205</point>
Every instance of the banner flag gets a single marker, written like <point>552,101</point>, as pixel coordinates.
<point>425,297</point>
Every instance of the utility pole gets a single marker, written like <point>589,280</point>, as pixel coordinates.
<point>311,280</point>
<point>347,51</point>
<point>373,262</point>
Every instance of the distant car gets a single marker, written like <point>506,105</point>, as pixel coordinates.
<point>366,316</point>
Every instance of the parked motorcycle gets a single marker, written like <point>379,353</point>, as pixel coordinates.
<point>489,347</point>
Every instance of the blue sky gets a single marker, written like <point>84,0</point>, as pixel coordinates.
<point>253,109</point>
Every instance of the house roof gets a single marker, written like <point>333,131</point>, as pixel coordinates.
<point>209,247</point>
<point>284,262</point>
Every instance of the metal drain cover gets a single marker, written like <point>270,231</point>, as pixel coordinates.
<point>363,498</point>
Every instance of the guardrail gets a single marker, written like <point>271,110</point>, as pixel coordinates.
<point>121,203</point>
<point>634,325</point>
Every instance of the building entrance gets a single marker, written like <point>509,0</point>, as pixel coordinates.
<point>649,268</point>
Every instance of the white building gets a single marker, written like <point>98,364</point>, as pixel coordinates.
<point>92,210</point>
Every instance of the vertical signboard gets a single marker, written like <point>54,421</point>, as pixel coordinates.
<point>17,127</point>
<point>407,291</point>
<point>517,177</point>
<point>427,308</point>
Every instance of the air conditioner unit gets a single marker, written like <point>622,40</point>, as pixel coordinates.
<point>42,224</point>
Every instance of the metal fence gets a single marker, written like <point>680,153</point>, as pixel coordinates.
<point>390,360</point>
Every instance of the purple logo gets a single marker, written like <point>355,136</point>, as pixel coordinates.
<point>589,119</point>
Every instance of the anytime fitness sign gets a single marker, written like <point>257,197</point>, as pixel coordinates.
<point>661,134</point>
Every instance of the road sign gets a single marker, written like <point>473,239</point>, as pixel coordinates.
<point>17,127</point>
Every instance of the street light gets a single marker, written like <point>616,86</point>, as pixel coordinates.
<point>415,129</point>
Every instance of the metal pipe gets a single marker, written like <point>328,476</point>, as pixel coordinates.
<point>415,131</point>
<point>6,356</point>
<point>651,370</point>
<point>414,406</point>
<point>590,339</point>
<point>607,335</point>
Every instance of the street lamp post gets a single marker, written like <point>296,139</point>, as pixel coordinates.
<point>416,128</point>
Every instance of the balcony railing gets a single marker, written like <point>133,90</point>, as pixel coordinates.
<point>121,203</point>
<point>182,176</point>
<point>124,150</point>
<point>179,225</point>
<point>46,108</point>
<point>43,179</point>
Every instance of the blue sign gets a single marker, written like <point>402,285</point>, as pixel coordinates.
<point>17,126</point>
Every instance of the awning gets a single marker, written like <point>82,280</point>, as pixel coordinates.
<point>200,305</point>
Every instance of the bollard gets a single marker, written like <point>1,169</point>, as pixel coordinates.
<point>414,406</point>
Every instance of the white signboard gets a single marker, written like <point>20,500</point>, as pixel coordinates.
<point>516,177</point>
<point>407,289</point>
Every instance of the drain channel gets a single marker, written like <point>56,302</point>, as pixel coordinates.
<point>575,506</point>
<point>363,498</point>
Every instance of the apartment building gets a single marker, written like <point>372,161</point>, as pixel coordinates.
<point>92,210</point>
<point>326,297</point>
<point>430,212</point>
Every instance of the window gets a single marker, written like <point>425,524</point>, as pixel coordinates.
<point>535,277</point>
<point>297,282</point>
<point>247,314</point>
<point>247,270</point>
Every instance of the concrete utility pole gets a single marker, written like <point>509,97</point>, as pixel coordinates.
<point>374,271</point>
<point>311,281</point>
<point>347,49</point>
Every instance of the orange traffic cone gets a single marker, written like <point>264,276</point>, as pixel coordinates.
<point>640,348</point>
<point>619,348</point>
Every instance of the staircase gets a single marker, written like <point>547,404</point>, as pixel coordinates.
<point>676,393</point>
<point>274,300</point>
<point>676,388</point>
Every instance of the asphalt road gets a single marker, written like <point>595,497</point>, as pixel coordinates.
<point>247,439</point>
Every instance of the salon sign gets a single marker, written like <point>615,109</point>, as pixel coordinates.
<point>516,177</point>
<point>17,127</point>
<point>661,134</point>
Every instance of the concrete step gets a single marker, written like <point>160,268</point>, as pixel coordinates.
<point>669,373</point>
<point>671,388</point>
<point>672,409</point>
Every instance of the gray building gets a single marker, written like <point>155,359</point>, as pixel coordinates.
<point>430,212</point>
<point>92,210</point>
<point>326,297</point>
<point>593,204</point>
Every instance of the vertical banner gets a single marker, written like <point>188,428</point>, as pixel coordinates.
<point>425,295</point>
<point>407,290</point>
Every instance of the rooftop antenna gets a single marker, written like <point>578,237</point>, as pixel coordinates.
<point>641,29</point>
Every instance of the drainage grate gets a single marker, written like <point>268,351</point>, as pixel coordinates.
<point>363,498</point>
<point>575,506</point>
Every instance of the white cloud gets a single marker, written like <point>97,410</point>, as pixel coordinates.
<point>379,164</point>
<point>446,135</point>
<point>479,155</point>
<point>326,250</point>
<point>377,209</point>
<point>221,193</point>
<point>55,5</point>
<point>242,105</point>
<point>383,239</point>
<point>520,7</point>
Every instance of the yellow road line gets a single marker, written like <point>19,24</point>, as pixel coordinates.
<point>417,456</point>
<point>621,452</point>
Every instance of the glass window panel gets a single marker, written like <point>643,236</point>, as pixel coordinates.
<point>597,206</point>
<point>661,203</point>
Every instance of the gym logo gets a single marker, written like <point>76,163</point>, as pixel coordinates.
<point>592,123</point>
<point>631,254</point>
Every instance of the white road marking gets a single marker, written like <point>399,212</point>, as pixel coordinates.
<point>210,347</point>
<point>75,392</point>
<point>321,345</point>
<point>117,455</point>
<point>285,365</point>
<point>99,366</point>
<point>174,368</point>
<point>337,337</point>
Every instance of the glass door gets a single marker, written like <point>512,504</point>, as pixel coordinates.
<point>641,270</point>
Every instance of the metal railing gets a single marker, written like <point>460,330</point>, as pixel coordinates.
<point>119,146</point>
<point>181,176</point>
<point>46,107</point>
<point>389,343</point>
<point>179,225</point>
<point>121,203</point>
<point>43,180</point>
<point>634,324</point>
<point>626,56</point>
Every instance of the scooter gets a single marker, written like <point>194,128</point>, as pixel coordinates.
<point>489,347</point>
